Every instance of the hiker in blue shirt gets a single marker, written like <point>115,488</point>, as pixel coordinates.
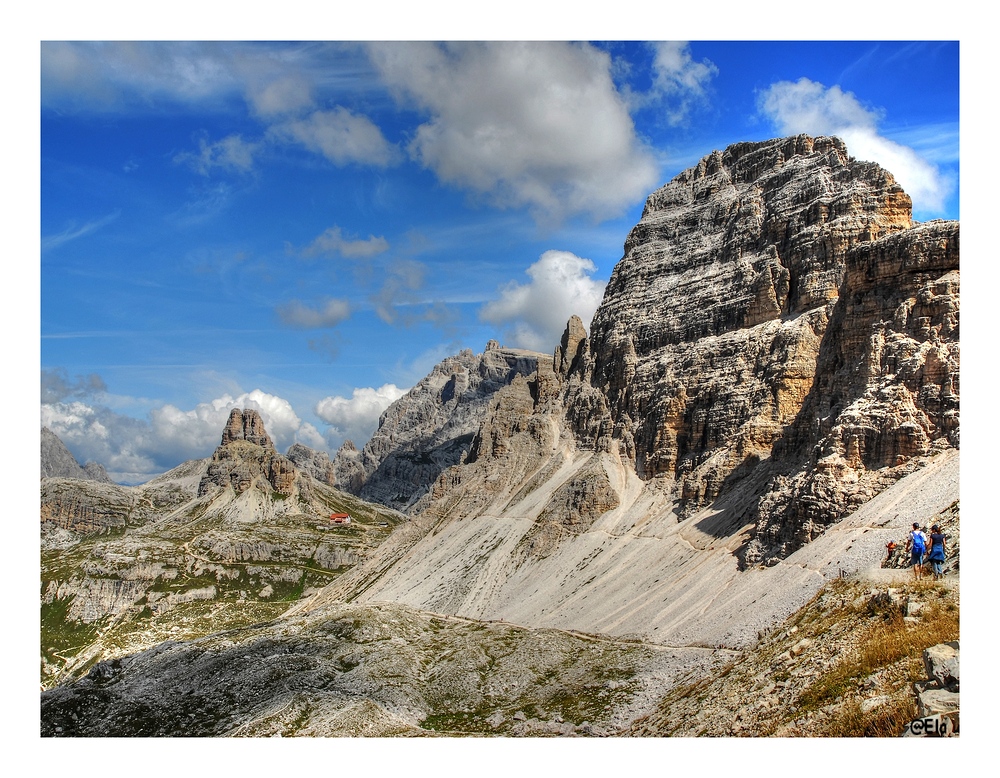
<point>916,544</point>
<point>936,557</point>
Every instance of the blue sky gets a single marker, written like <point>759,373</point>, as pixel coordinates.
<point>307,228</point>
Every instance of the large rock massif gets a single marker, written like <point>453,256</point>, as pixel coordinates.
<point>778,345</point>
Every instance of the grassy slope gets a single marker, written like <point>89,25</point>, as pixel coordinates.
<point>192,570</point>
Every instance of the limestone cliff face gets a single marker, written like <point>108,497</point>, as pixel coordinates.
<point>706,340</point>
<point>886,391</point>
<point>773,300</point>
<point>246,458</point>
<point>430,428</point>
<point>776,317</point>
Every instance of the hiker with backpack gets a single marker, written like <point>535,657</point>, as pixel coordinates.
<point>936,557</point>
<point>916,544</point>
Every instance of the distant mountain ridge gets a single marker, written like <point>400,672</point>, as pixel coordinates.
<point>232,539</point>
<point>58,462</point>
<point>430,428</point>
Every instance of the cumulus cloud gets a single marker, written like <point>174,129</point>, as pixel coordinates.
<point>329,313</point>
<point>805,106</point>
<point>356,417</point>
<point>332,242</point>
<point>232,153</point>
<point>97,434</point>
<point>523,124</point>
<point>534,315</point>
<point>341,136</point>
<point>134,450</point>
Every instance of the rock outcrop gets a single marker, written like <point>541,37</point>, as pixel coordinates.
<point>246,458</point>
<point>58,462</point>
<point>776,315</point>
<point>316,463</point>
<point>348,469</point>
<point>431,427</point>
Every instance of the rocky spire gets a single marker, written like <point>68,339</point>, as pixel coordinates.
<point>241,467</point>
<point>571,347</point>
<point>246,425</point>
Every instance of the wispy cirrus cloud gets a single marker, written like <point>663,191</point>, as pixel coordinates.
<point>73,231</point>
<point>232,153</point>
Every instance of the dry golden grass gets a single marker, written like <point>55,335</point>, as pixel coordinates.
<point>888,640</point>
<point>888,720</point>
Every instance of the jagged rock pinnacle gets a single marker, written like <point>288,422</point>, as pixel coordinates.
<point>246,425</point>
<point>243,466</point>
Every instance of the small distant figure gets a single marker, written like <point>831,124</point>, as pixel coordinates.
<point>916,544</point>
<point>937,555</point>
<point>890,549</point>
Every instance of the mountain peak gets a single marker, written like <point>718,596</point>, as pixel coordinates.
<point>246,425</point>
<point>58,462</point>
<point>236,465</point>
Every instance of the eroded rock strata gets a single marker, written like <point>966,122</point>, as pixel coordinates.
<point>775,305</point>
<point>777,316</point>
<point>431,428</point>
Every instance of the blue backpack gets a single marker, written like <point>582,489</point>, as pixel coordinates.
<point>918,542</point>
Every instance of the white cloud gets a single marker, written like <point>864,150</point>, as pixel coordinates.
<point>333,242</point>
<point>111,75</point>
<point>536,124</point>
<point>806,106</point>
<point>230,153</point>
<point>356,417</point>
<point>297,314</point>
<point>284,95</point>
<point>403,278</point>
<point>679,83</point>
<point>308,435</point>
<point>200,429</point>
<point>341,136</point>
<point>534,315</point>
